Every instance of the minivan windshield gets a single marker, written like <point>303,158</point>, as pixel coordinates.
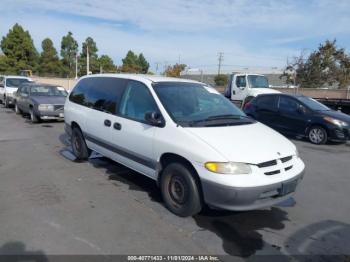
<point>256,81</point>
<point>47,91</point>
<point>196,105</point>
<point>16,82</point>
<point>313,104</point>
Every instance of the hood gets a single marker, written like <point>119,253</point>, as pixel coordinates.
<point>51,100</point>
<point>337,115</point>
<point>260,91</point>
<point>253,143</point>
<point>11,89</point>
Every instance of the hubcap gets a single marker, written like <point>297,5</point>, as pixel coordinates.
<point>177,190</point>
<point>316,135</point>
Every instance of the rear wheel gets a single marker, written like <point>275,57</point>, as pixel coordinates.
<point>33,117</point>
<point>79,147</point>
<point>180,190</point>
<point>318,135</point>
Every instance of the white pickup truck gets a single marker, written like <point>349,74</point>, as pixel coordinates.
<point>8,87</point>
<point>242,88</point>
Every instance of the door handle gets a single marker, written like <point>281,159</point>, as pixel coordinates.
<point>117,126</point>
<point>107,122</point>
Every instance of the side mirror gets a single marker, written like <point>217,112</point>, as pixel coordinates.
<point>301,110</point>
<point>154,119</point>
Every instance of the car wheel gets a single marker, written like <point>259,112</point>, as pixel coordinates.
<point>79,147</point>
<point>6,103</point>
<point>17,110</point>
<point>33,117</point>
<point>180,190</point>
<point>318,135</point>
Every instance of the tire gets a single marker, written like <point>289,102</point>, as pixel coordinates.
<point>318,135</point>
<point>6,103</point>
<point>180,190</point>
<point>79,147</point>
<point>17,110</point>
<point>33,117</point>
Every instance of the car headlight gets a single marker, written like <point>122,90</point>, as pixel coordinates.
<point>334,121</point>
<point>45,107</point>
<point>231,168</point>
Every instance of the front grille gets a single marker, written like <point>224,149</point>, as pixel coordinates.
<point>271,168</point>
<point>58,107</point>
<point>286,159</point>
<point>267,164</point>
<point>272,173</point>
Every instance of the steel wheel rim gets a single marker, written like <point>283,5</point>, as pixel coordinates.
<point>316,135</point>
<point>177,190</point>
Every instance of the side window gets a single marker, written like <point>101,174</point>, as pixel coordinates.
<point>137,101</point>
<point>267,102</point>
<point>79,93</point>
<point>288,104</point>
<point>105,93</point>
<point>1,82</point>
<point>241,81</point>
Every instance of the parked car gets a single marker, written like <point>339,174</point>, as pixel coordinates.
<point>9,85</point>
<point>300,116</point>
<point>197,145</point>
<point>40,101</point>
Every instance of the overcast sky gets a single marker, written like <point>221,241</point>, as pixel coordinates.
<point>256,33</point>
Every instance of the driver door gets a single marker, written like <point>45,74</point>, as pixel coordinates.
<point>239,87</point>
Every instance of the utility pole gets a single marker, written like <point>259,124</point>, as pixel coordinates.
<point>76,66</point>
<point>157,66</point>
<point>221,58</point>
<point>87,60</point>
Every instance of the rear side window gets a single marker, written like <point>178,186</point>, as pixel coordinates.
<point>267,102</point>
<point>288,104</point>
<point>99,93</point>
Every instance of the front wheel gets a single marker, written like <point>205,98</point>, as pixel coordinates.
<point>180,190</point>
<point>6,103</point>
<point>79,147</point>
<point>17,110</point>
<point>33,117</point>
<point>318,135</point>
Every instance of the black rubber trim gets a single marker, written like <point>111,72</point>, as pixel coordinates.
<point>123,152</point>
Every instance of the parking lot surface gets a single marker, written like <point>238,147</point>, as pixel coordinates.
<point>52,205</point>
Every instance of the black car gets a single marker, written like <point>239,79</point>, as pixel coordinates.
<point>300,116</point>
<point>40,101</point>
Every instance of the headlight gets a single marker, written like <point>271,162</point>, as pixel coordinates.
<point>334,121</point>
<point>45,107</point>
<point>231,168</point>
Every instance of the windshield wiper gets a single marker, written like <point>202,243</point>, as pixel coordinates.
<point>218,117</point>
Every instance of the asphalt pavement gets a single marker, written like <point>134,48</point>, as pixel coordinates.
<point>52,205</point>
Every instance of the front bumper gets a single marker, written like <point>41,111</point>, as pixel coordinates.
<point>247,198</point>
<point>339,134</point>
<point>47,115</point>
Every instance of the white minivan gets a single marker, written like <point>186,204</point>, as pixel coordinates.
<point>198,146</point>
<point>9,86</point>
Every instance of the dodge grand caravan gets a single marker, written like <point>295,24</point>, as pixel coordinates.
<point>197,146</point>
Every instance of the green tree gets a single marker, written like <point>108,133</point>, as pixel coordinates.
<point>69,50</point>
<point>49,63</point>
<point>130,63</point>
<point>328,65</point>
<point>4,67</point>
<point>19,49</point>
<point>221,80</point>
<point>175,70</point>
<point>143,64</point>
<point>106,64</point>
<point>91,46</point>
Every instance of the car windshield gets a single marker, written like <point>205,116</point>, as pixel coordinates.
<point>256,81</point>
<point>196,105</point>
<point>48,91</point>
<point>16,82</point>
<point>313,104</point>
